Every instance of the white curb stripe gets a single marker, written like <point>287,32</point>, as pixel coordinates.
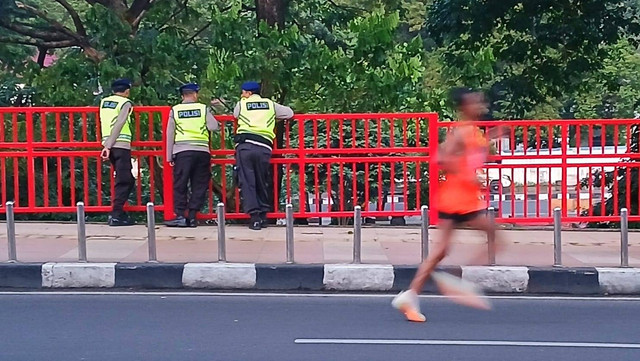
<point>619,280</point>
<point>72,275</point>
<point>219,275</point>
<point>351,277</point>
<point>498,278</point>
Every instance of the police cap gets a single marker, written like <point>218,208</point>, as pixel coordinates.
<point>190,87</point>
<point>121,84</point>
<point>251,86</point>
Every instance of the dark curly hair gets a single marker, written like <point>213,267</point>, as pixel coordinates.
<point>458,94</point>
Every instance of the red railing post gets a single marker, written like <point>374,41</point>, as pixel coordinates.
<point>564,148</point>
<point>31,170</point>
<point>302,163</point>
<point>434,172</point>
<point>167,171</point>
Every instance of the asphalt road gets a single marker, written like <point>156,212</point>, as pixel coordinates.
<point>251,327</point>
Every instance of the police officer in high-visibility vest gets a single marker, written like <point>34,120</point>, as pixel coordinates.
<point>188,152</point>
<point>115,125</point>
<point>254,137</point>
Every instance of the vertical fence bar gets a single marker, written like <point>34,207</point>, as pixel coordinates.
<point>82,233</point>
<point>357,235</point>
<point>424,231</point>
<point>289,235</point>
<point>222,247</point>
<point>491,242</point>
<point>11,232</point>
<point>557,237</point>
<point>624,237</point>
<point>151,232</point>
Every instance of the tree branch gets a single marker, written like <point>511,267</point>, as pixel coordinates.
<point>192,37</point>
<point>116,5</point>
<point>346,7</point>
<point>78,39</point>
<point>136,11</point>
<point>46,18</point>
<point>74,15</point>
<point>34,42</point>
<point>42,56</point>
<point>40,34</point>
<point>175,13</point>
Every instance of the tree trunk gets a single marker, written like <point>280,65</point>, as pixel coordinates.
<point>272,11</point>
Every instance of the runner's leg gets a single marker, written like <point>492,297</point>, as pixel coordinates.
<point>435,257</point>
<point>482,223</point>
<point>407,302</point>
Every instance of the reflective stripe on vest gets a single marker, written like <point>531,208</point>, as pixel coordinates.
<point>191,124</point>
<point>257,116</point>
<point>109,110</point>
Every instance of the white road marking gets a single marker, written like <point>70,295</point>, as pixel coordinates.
<point>300,295</point>
<point>344,341</point>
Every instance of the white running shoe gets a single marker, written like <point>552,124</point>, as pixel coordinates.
<point>407,302</point>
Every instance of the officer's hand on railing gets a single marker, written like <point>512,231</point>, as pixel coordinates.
<point>105,153</point>
<point>172,163</point>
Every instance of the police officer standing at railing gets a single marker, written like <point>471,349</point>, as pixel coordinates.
<point>188,153</point>
<point>115,125</point>
<point>254,142</point>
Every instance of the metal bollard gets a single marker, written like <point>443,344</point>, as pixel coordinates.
<point>11,232</point>
<point>151,232</point>
<point>82,232</point>
<point>357,234</point>
<point>222,247</point>
<point>557,237</point>
<point>624,237</point>
<point>491,243</point>
<point>424,231</point>
<point>289,235</point>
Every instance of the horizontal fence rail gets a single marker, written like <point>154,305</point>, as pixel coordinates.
<point>50,159</point>
<point>327,164</point>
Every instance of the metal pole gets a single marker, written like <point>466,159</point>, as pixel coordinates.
<point>424,231</point>
<point>624,237</point>
<point>289,235</point>
<point>151,232</point>
<point>11,233</point>
<point>357,234</point>
<point>491,242</point>
<point>82,233</point>
<point>222,248</point>
<point>557,237</point>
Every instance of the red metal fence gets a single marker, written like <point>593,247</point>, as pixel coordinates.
<point>49,159</point>
<point>328,163</point>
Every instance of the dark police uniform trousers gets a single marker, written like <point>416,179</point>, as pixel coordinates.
<point>253,167</point>
<point>120,158</point>
<point>191,167</point>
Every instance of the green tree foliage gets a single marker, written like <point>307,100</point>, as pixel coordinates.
<point>528,51</point>
<point>537,59</point>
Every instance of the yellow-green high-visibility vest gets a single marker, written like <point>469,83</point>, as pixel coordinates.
<point>191,124</point>
<point>109,109</point>
<point>257,116</point>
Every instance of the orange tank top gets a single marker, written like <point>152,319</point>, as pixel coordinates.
<point>460,191</point>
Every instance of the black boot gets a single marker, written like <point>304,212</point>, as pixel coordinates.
<point>264,222</point>
<point>120,220</point>
<point>180,221</point>
<point>192,221</point>
<point>255,223</point>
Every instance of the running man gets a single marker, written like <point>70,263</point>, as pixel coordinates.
<point>459,196</point>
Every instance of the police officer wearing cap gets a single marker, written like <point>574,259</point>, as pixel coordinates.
<point>188,153</point>
<point>115,125</point>
<point>254,137</point>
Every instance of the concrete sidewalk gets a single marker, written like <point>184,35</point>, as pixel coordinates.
<point>48,242</point>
